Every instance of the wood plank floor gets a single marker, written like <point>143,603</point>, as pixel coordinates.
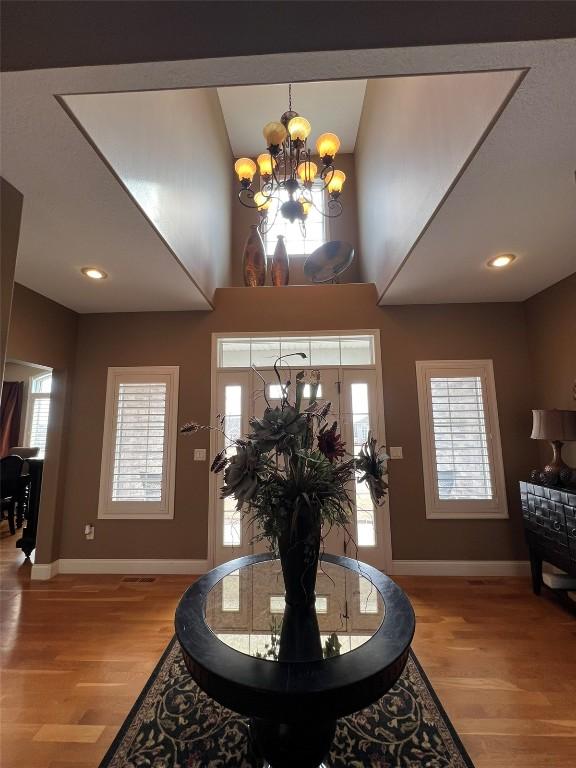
<point>77,650</point>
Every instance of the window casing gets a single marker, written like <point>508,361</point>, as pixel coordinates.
<point>38,413</point>
<point>296,243</point>
<point>461,451</point>
<point>139,447</point>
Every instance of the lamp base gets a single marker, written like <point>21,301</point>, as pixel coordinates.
<point>557,464</point>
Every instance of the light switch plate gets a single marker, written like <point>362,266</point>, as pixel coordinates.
<point>396,452</point>
<point>199,454</point>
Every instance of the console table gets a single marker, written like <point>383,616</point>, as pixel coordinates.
<point>550,525</point>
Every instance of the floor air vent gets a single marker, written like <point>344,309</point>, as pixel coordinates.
<point>139,579</point>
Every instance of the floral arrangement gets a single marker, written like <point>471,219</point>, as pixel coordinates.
<point>293,467</point>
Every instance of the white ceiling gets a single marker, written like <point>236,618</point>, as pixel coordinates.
<point>518,194</point>
<point>333,107</point>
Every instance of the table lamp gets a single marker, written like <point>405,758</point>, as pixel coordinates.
<point>557,427</point>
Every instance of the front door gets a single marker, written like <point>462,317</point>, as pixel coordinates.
<point>353,395</point>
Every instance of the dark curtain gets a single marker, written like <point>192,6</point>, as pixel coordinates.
<point>10,411</point>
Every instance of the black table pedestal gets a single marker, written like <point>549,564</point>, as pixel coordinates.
<point>286,745</point>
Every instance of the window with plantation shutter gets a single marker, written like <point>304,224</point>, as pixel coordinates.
<point>138,457</point>
<point>463,473</point>
<point>38,413</point>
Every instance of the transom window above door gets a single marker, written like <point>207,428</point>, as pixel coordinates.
<point>260,351</point>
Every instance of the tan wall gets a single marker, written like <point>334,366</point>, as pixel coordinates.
<point>416,135</point>
<point>44,333</point>
<point>10,216</point>
<point>344,227</point>
<point>551,320</point>
<point>495,331</point>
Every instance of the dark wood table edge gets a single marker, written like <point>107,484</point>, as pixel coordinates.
<point>289,691</point>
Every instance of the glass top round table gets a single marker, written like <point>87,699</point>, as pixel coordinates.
<point>294,669</point>
<point>246,609</point>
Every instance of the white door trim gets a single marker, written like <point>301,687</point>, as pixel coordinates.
<point>213,484</point>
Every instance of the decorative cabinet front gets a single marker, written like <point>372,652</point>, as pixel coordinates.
<point>550,526</point>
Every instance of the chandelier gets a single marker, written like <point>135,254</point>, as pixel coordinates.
<point>287,167</point>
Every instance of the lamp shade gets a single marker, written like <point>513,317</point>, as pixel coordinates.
<point>299,128</point>
<point>327,145</point>
<point>245,168</point>
<point>306,205</point>
<point>307,171</point>
<point>274,133</point>
<point>336,182</point>
<point>553,425</point>
<point>265,163</point>
<point>262,202</point>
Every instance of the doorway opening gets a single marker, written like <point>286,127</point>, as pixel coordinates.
<point>26,399</point>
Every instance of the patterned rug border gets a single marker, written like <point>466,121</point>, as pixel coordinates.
<point>446,723</point>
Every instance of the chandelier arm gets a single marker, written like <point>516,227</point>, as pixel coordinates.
<point>326,179</point>
<point>274,177</point>
<point>265,224</point>
<point>246,197</point>
<point>334,208</point>
<point>267,190</point>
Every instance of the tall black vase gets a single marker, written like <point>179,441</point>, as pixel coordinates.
<point>299,548</point>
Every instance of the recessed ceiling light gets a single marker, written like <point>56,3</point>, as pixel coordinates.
<point>503,260</point>
<point>94,273</point>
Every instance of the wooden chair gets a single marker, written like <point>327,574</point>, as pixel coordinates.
<point>11,489</point>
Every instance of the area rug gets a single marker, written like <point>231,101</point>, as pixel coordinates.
<point>174,724</point>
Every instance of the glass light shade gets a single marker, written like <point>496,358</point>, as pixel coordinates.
<point>299,128</point>
<point>327,144</point>
<point>306,206</point>
<point>307,171</point>
<point>245,168</point>
<point>336,182</point>
<point>274,133</point>
<point>261,201</point>
<point>265,163</point>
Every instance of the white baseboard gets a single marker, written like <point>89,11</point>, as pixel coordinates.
<point>44,571</point>
<point>114,566</point>
<point>474,568</point>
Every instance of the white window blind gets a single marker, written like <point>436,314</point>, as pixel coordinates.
<point>139,443</point>
<point>139,455</point>
<point>462,458</point>
<point>39,424</point>
<point>461,449</point>
<point>39,413</point>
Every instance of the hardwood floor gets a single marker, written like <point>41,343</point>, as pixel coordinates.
<point>77,650</point>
